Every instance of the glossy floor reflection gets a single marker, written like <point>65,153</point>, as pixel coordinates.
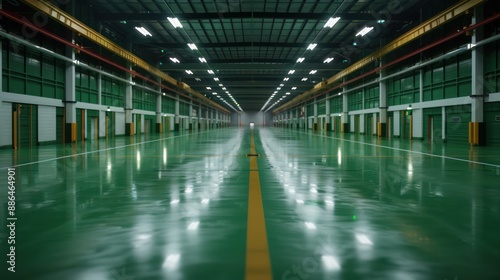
<point>175,207</point>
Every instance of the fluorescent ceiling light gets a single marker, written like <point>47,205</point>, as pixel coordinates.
<point>202,59</point>
<point>174,60</point>
<point>311,46</point>
<point>189,72</point>
<point>278,88</point>
<point>143,31</point>
<point>210,72</point>
<point>221,85</point>
<point>300,60</point>
<point>286,79</point>
<point>328,60</point>
<point>287,93</point>
<point>282,85</point>
<point>331,22</point>
<point>275,92</point>
<point>198,79</point>
<point>214,93</point>
<point>216,79</point>
<point>175,22</point>
<point>364,31</point>
<point>192,46</point>
<point>224,88</point>
<point>209,88</point>
<point>294,88</point>
<point>304,79</point>
<point>313,72</point>
<point>291,72</point>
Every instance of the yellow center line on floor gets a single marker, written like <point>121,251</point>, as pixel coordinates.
<point>258,263</point>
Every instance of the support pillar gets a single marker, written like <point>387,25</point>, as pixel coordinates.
<point>328,125</point>
<point>129,124</point>
<point>207,119</point>
<point>382,124</point>
<point>177,125</point>
<point>99,88</point>
<point>345,113</point>
<point>70,100</point>
<point>199,117</point>
<point>159,128</point>
<point>315,118</point>
<point>477,127</point>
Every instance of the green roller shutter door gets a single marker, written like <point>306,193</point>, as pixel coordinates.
<point>492,120</point>
<point>457,124</point>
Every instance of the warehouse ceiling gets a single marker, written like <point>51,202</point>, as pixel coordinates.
<point>255,55</point>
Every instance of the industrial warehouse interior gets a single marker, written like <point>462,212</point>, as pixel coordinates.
<point>256,140</point>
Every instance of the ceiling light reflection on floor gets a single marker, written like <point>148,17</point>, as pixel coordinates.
<point>172,261</point>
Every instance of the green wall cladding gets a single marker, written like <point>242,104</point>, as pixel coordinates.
<point>310,110</point>
<point>183,109</point>
<point>336,104</point>
<point>492,68</point>
<point>86,86</point>
<point>113,92</point>
<point>372,98</point>
<point>403,90</point>
<point>355,101</point>
<point>448,79</point>
<point>168,105</point>
<point>29,72</point>
<point>143,99</point>
<point>321,107</point>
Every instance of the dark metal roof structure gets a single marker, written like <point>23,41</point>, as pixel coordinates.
<point>253,47</point>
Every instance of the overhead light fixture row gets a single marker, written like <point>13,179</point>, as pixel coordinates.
<point>143,31</point>
<point>311,46</point>
<point>328,60</point>
<point>331,22</point>
<point>175,22</point>
<point>364,31</point>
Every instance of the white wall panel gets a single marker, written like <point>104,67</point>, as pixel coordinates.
<point>418,126</point>
<point>102,123</point>
<point>46,124</point>
<point>397,123</point>
<point>120,123</point>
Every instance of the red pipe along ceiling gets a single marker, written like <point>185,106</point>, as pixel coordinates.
<point>20,20</point>
<point>434,44</point>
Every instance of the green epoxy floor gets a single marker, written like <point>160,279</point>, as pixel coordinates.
<point>175,207</point>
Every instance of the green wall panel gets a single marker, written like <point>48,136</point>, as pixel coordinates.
<point>492,121</point>
<point>457,123</point>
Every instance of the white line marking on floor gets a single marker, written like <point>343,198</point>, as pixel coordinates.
<point>97,151</point>
<point>403,150</point>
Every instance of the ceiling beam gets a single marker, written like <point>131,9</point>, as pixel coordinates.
<point>284,66</point>
<point>242,15</point>
<point>167,45</point>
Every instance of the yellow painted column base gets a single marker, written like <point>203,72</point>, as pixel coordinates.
<point>70,133</point>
